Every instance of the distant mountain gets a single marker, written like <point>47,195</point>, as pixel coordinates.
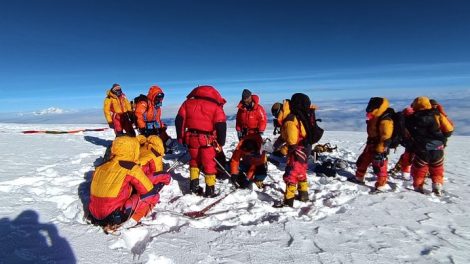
<point>340,115</point>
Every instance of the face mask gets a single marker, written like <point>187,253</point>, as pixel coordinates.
<point>117,92</point>
<point>159,100</point>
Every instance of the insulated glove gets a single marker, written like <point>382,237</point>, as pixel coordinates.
<point>234,180</point>
<point>163,128</point>
<point>239,135</point>
<point>144,131</point>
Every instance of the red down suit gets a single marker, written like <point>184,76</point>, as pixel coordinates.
<point>201,125</point>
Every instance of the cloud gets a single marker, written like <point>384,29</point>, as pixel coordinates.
<point>337,115</point>
<point>50,110</point>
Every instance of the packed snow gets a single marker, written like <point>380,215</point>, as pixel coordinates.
<point>44,185</point>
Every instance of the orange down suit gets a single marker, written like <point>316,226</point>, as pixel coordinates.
<point>253,162</point>
<point>251,120</point>
<point>145,111</point>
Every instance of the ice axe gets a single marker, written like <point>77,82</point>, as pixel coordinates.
<point>202,213</point>
<point>177,162</point>
<point>226,172</point>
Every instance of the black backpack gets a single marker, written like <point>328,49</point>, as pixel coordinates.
<point>317,131</point>
<point>140,98</point>
<point>399,128</point>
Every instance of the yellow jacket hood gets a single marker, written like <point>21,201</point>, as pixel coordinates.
<point>381,109</point>
<point>126,148</point>
<point>110,94</point>
<point>421,103</point>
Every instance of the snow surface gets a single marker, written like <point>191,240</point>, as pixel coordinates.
<point>44,184</point>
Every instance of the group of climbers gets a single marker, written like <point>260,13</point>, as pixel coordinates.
<point>424,136</point>
<point>136,176</point>
<point>127,186</point>
<point>144,113</point>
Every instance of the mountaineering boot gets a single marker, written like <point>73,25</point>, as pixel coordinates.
<point>359,180</point>
<point>303,191</point>
<point>289,202</point>
<point>244,183</point>
<point>303,196</point>
<point>210,185</point>
<point>194,183</point>
<point>380,189</point>
<point>194,187</point>
<point>437,189</point>
<point>210,191</point>
<point>288,197</point>
<point>419,189</point>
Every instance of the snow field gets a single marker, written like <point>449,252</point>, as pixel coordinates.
<point>50,174</point>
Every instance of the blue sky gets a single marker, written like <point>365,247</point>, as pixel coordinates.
<point>66,54</point>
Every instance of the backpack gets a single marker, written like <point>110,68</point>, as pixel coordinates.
<point>326,168</point>
<point>425,130</point>
<point>140,98</point>
<point>399,128</point>
<point>317,131</point>
<point>137,100</point>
